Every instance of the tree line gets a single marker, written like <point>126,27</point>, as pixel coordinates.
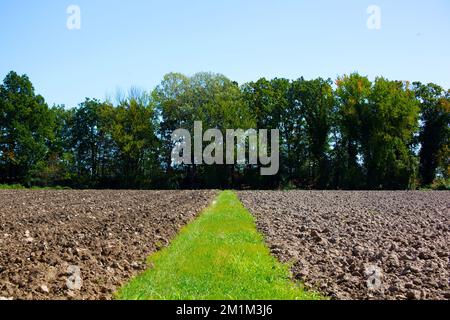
<point>349,134</point>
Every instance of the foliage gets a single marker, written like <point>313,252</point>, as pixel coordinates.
<point>435,134</point>
<point>356,135</point>
<point>26,129</point>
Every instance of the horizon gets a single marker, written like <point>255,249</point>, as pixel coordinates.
<point>119,46</point>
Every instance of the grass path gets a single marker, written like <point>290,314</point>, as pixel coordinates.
<point>219,256</point>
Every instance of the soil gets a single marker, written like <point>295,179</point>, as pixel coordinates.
<point>360,245</point>
<point>85,244</point>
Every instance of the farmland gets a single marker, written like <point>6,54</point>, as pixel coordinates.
<point>45,236</point>
<point>339,242</point>
<point>195,244</point>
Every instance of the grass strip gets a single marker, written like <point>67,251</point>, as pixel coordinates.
<point>219,256</point>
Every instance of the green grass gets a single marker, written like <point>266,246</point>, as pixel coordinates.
<point>11,187</point>
<point>219,256</point>
<point>21,187</point>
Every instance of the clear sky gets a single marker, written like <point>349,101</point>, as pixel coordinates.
<point>135,42</point>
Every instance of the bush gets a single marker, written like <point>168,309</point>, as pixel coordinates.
<point>441,184</point>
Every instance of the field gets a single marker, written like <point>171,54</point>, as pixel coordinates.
<point>360,245</point>
<point>209,245</point>
<point>45,236</point>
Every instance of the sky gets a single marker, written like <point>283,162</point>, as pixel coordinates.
<point>134,43</point>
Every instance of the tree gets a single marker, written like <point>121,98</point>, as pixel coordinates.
<point>435,131</point>
<point>26,129</point>
<point>56,168</point>
<point>389,124</point>
<point>93,147</point>
<point>173,111</point>
<point>217,102</point>
<point>363,134</point>
<point>352,100</point>
<point>210,98</point>
<point>315,100</point>
<point>273,106</point>
<point>133,130</point>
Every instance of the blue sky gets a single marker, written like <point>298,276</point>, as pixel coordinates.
<point>135,42</point>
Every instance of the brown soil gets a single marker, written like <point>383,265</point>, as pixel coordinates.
<point>360,245</point>
<point>85,244</point>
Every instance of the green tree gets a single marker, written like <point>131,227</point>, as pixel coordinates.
<point>272,104</point>
<point>362,135</point>
<point>211,98</point>
<point>93,147</point>
<point>315,100</point>
<point>352,101</point>
<point>56,169</point>
<point>133,130</point>
<point>389,124</point>
<point>173,111</point>
<point>435,131</point>
<point>26,129</point>
<point>217,102</point>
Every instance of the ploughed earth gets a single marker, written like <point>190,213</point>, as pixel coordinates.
<point>85,244</point>
<point>360,245</point>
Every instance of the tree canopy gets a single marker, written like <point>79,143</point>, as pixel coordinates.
<point>351,134</point>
